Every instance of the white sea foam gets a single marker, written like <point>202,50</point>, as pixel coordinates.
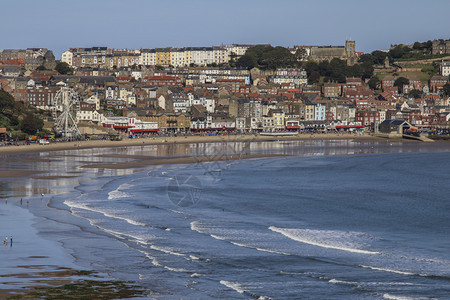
<point>155,262</point>
<point>336,281</point>
<point>391,271</point>
<point>178,270</point>
<point>232,285</point>
<point>331,239</point>
<point>125,186</point>
<point>394,297</point>
<point>117,194</point>
<point>166,250</point>
<point>218,237</point>
<point>196,226</point>
<point>259,249</point>
<point>73,204</point>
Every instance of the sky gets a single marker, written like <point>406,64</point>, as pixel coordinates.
<point>134,24</point>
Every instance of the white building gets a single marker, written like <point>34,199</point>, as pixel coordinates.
<point>445,68</point>
<point>148,57</point>
<point>67,57</point>
<point>181,105</point>
<point>177,58</point>
<point>240,124</point>
<point>201,56</point>
<point>320,112</point>
<point>90,115</point>
<point>130,125</point>
<point>209,104</point>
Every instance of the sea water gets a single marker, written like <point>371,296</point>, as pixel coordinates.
<point>309,226</point>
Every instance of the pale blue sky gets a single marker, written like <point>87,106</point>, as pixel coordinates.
<point>374,24</point>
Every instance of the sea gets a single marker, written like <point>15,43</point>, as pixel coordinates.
<point>329,219</point>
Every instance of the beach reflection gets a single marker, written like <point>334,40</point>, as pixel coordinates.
<point>60,171</point>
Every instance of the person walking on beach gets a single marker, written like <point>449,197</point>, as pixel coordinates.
<point>42,196</point>
<point>10,241</point>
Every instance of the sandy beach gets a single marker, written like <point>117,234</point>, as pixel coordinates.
<point>173,140</point>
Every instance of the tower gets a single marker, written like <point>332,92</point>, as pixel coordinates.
<point>350,48</point>
<point>350,52</point>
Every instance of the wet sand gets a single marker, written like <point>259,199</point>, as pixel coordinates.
<point>142,162</point>
<point>138,163</point>
<point>173,140</point>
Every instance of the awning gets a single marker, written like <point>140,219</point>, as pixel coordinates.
<point>348,126</point>
<point>143,130</point>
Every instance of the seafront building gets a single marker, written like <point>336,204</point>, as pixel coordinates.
<point>192,89</point>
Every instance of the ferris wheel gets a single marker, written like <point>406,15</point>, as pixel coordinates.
<point>66,106</point>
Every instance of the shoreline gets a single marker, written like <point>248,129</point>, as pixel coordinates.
<point>74,145</point>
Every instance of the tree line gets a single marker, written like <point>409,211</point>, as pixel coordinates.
<point>15,115</point>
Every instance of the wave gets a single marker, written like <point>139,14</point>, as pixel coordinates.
<point>117,194</point>
<point>195,226</point>
<point>259,249</point>
<point>73,204</point>
<point>167,251</point>
<point>233,285</point>
<point>394,297</point>
<point>331,239</point>
<point>178,270</point>
<point>238,288</point>
<point>336,281</point>
<point>391,271</point>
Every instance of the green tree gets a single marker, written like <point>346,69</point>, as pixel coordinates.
<point>313,77</point>
<point>367,58</point>
<point>310,67</point>
<point>267,57</point>
<point>278,57</point>
<point>399,82</point>
<point>399,51</point>
<point>63,68</point>
<point>41,68</point>
<point>366,70</point>
<point>379,57</point>
<point>246,61</point>
<point>6,102</point>
<point>31,123</point>
<point>374,83</point>
<point>416,94</point>
<point>446,89</point>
